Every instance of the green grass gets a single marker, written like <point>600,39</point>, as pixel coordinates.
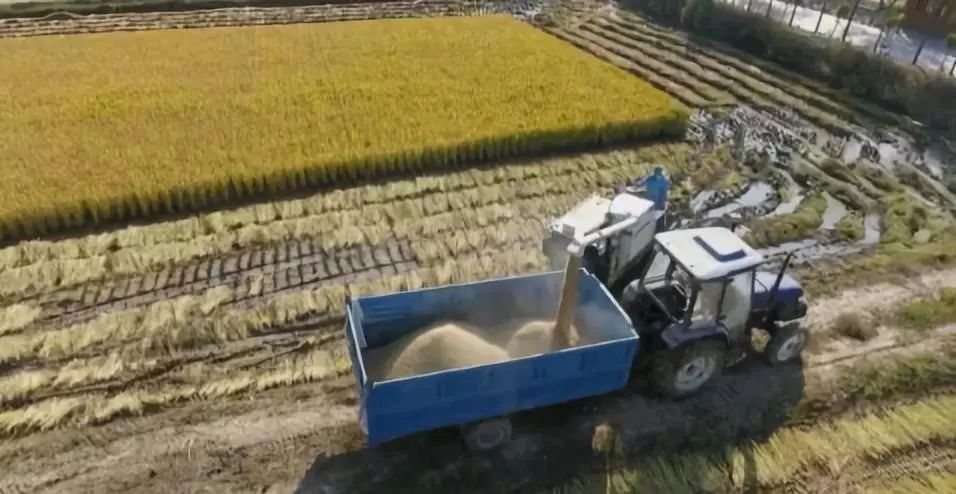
<point>929,313</point>
<point>850,227</point>
<point>880,179</point>
<point>878,381</point>
<point>802,223</point>
<point>902,218</point>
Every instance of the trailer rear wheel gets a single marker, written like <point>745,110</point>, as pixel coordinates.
<point>487,434</point>
<point>684,370</point>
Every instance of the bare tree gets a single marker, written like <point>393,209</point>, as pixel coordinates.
<point>892,18</point>
<point>951,44</point>
<point>849,21</point>
<point>823,8</point>
<point>919,51</point>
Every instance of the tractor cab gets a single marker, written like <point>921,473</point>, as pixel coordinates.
<point>700,279</point>
<point>700,295</point>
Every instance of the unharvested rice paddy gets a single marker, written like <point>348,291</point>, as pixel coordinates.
<point>96,128</point>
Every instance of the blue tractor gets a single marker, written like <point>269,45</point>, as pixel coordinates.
<point>694,295</point>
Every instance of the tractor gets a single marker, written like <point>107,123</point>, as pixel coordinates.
<point>694,295</point>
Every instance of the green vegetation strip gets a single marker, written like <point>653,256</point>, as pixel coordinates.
<point>800,224</point>
<point>929,313</point>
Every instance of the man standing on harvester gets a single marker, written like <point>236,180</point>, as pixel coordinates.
<point>656,187</point>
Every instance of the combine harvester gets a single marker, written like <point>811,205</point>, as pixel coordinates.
<point>677,306</point>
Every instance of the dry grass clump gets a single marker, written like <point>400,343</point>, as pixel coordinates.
<point>166,323</point>
<point>436,94</point>
<point>17,317</point>
<point>854,325</point>
<point>80,372</point>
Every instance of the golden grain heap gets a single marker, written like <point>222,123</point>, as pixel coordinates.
<point>102,127</point>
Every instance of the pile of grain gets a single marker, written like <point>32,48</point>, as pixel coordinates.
<point>455,345</point>
<point>441,347</point>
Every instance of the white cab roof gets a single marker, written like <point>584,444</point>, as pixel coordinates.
<point>709,253</point>
<point>587,216</point>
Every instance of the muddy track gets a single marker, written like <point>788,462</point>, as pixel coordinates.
<point>228,17</point>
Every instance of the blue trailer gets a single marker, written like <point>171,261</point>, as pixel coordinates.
<point>480,398</point>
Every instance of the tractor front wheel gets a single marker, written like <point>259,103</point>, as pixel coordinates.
<point>786,343</point>
<point>684,370</point>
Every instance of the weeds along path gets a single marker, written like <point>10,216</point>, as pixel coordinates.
<point>269,438</point>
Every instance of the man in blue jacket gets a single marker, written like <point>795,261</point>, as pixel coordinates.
<point>655,187</point>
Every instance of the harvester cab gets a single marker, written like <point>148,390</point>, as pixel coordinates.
<point>615,236</point>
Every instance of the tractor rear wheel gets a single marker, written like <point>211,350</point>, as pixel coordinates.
<point>684,370</point>
<point>786,343</point>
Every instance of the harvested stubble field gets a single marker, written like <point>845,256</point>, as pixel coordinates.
<point>99,128</point>
<point>205,353</point>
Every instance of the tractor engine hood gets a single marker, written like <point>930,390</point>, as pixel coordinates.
<point>790,290</point>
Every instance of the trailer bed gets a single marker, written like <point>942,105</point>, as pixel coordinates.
<point>600,363</point>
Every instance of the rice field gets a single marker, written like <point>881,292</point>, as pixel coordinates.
<point>279,108</point>
<point>193,342</point>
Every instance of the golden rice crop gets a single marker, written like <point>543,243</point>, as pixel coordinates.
<point>465,200</point>
<point>95,128</point>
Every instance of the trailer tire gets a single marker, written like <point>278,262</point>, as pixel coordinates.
<point>786,343</point>
<point>487,434</point>
<point>685,370</point>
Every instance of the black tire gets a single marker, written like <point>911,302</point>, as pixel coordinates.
<point>487,434</point>
<point>786,343</point>
<point>671,370</point>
